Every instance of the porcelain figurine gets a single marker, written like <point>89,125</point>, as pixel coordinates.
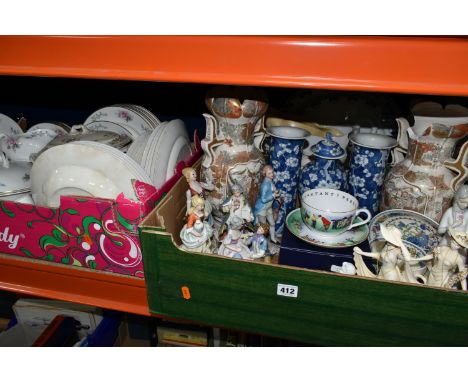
<point>325,169</point>
<point>231,155</point>
<point>263,208</point>
<point>456,217</point>
<point>196,234</point>
<point>427,179</point>
<point>394,258</point>
<point>233,244</point>
<point>197,188</point>
<point>237,205</point>
<point>449,266</point>
<point>258,243</point>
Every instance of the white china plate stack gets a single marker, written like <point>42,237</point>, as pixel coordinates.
<point>131,120</point>
<point>165,147</point>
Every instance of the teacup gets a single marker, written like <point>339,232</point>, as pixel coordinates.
<point>330,212</point>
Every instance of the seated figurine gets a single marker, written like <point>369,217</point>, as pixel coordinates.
<point>196,234</point>
<point>258,242</point>
<point>236,205</point>
<point>233,243</point>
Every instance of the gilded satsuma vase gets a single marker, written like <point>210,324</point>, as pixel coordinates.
<point>231,156</point>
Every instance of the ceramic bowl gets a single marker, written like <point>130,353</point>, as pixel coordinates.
<point>330,212</point>
<point>86,169</point>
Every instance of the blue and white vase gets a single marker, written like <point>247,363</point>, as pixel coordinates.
<point>285,158</point>
<point>325,169</point>
<point>369,156</point>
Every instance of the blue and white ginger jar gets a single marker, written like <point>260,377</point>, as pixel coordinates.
<point>325,169</point>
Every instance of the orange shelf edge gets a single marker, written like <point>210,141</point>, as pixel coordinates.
<point>422,65</point>
<point>60,282</point>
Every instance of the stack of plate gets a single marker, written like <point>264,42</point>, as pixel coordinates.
<point>89,159</point>
<point>83,169</point>
<point>159,152</point>
<point>131,120</point>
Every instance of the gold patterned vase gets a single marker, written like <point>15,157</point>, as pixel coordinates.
<point>231,156</point>
<point>427,179</point>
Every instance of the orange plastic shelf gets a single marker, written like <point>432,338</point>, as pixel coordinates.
<point>58,282</point>
<point>424,65</point>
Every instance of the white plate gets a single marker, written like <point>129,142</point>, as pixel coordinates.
<point>121,116</point>
<point>164,147</point>
<point>82,168</point>
<point>180,150</point>
<point>136,149</point>
<point>154,121</point>
<point>118,128</point>
<point>8,126</point>
<point>149,156</point>
<point>138,171</point>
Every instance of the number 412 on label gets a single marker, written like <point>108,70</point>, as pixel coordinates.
<point>287,290</point>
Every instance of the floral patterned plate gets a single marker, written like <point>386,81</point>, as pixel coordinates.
<point>349,238</point>
<point>123,116</point>
<point>417,229</point>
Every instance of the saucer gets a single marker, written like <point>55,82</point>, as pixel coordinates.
<point>349,238</point>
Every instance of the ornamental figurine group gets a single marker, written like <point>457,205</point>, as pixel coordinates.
<point>446,265</point>
<point>247,233</point>
<point>243,233</point>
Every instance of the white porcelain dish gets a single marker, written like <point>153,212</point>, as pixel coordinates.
<point>83,168</point>
<point>121,116</point>
<point>117,128</point>
<point>145,113</point>
<point>165,149</point>
<point>138,171</point>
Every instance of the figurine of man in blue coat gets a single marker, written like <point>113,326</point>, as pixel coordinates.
<point>263,209</point>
